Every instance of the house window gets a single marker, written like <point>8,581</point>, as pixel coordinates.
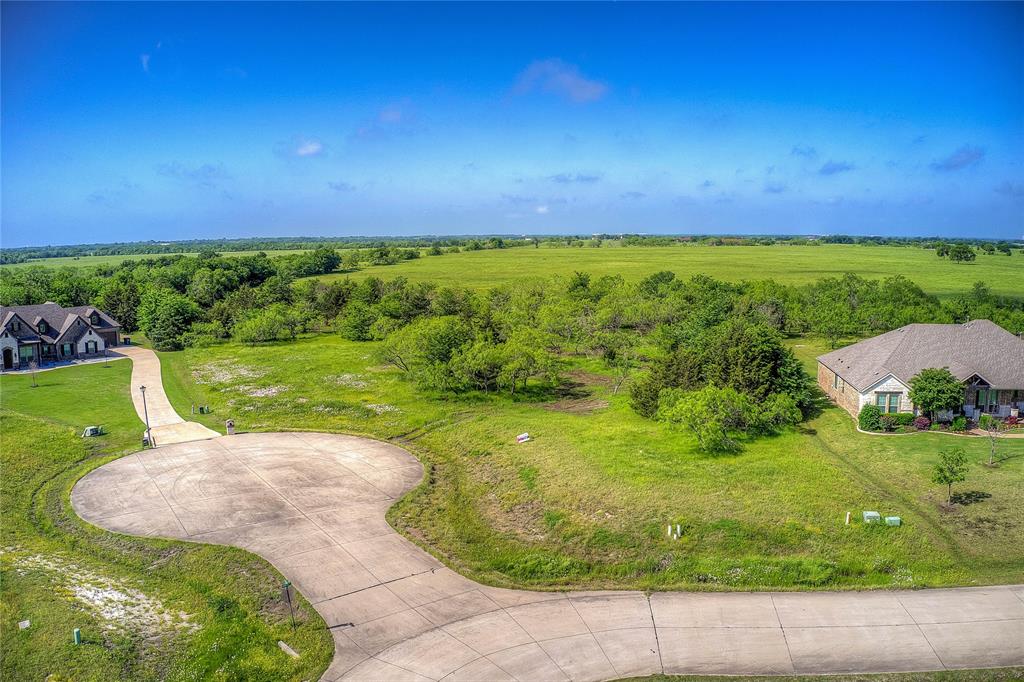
<point>838,383</point>
<point>94,318</point>
<point>988,400</point>
<point>66,349</point>
<point>42,326</point>
<point>888,402</point>
<point>26,355</point>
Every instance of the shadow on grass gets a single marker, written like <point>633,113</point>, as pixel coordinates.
<point>970,497</point>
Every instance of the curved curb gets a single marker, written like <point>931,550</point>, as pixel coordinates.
<point>314,504</point>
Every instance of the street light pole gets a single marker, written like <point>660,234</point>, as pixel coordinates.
<point>145,411</point>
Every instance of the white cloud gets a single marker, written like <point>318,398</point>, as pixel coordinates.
<point>541,210</point>
<point>560,78</point>
<point>144,59</point>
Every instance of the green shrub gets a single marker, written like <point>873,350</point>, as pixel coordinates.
<point>888,422</point>
<point>870,418</point>
<point>903,418</point>
<point>959,424</point>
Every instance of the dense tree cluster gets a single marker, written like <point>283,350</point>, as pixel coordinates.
<point>705,355</point>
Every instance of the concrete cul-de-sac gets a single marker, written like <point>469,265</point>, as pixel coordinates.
<point>313,504</point>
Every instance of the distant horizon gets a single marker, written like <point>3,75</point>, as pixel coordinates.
<point>142,120</point>
<point>508,235</point>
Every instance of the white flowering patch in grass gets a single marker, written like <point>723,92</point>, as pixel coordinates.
<point>120,607</point>
<point>349,380</point>
<point>260,391</point>
<point>225,372</point>
<point>382,408</point>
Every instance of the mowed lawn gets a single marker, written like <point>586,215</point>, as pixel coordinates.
<point>147,609</point>
<point>783,263</point>
<point>588,500</point>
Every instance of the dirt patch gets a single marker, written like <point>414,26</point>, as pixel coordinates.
<point>577,405</point>
<point>589,378</point>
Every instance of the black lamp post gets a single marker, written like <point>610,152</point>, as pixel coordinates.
<point>145,411</point>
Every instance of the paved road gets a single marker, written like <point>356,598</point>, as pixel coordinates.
<point>313,505</point>
<point>165,424</point>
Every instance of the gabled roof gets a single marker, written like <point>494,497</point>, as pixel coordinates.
<point>979,347</point>
<point>58,320</point>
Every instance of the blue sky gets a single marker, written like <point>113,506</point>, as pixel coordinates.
<point>170,121</point>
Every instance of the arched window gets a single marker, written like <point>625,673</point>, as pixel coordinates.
<point>94,318</point>
<point>42,326</point>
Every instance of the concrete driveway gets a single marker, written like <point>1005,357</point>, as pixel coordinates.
<point>165,425</point>
<point>313,505</point>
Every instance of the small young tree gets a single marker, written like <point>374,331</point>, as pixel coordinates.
<point>992,427</point>
<point>936,389</point>
<point>951,468</point>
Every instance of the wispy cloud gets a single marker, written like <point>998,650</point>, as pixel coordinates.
<point>205,175</point>
<point>1010,189</point>
<point>301,147</point>
<point>834,167</point>
<point>569,178</point>
<point>111,196</point>
<point>774,187</point>
<point>518,199</point>
<point>965,157</point>
<point>559,78</point>
<point>805,151</point>
<point>144,60</point>
<point>707,184</point>
<point>341,186</point>
<point>634,196</point>
<point>541,210</point>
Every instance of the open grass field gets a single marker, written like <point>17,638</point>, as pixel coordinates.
<point>587,501</point>
<point>785,264</point>
<point>92,261</point>
<point>147,609</point>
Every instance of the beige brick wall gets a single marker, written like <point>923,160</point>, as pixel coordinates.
<point>845,396</point>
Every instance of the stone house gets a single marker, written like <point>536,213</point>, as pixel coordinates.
<point>47,333</point>
<point>983,355</point>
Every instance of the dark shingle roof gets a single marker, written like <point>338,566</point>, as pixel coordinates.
<point>978,347</point>
<point>57,319</point>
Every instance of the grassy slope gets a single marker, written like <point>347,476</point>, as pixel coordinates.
<point>785,264</point>
<point>586,502</point>
<point>232,595</point>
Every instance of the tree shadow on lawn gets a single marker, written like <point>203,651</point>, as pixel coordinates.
<point>969,497</point>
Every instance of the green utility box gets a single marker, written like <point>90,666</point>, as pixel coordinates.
<point>893,521</point>
<point>872,517</point>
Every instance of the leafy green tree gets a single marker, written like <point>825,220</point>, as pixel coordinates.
<point>715,416</point>
<point>935,389</point>
<point>951,468</point>
<point>275,323</point>
<point>120,298</point>
<point>164,315</point>
<point>355,323</point>
<point>961,253</point>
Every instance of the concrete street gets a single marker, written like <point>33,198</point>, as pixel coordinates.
<point>313,504</point>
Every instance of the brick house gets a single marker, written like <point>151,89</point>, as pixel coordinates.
<point>983,355</point>
<point>47,333</point>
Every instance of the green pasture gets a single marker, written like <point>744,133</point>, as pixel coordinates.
<point>586,503</point>
<point>92,261</point>
<point>784,263</point>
